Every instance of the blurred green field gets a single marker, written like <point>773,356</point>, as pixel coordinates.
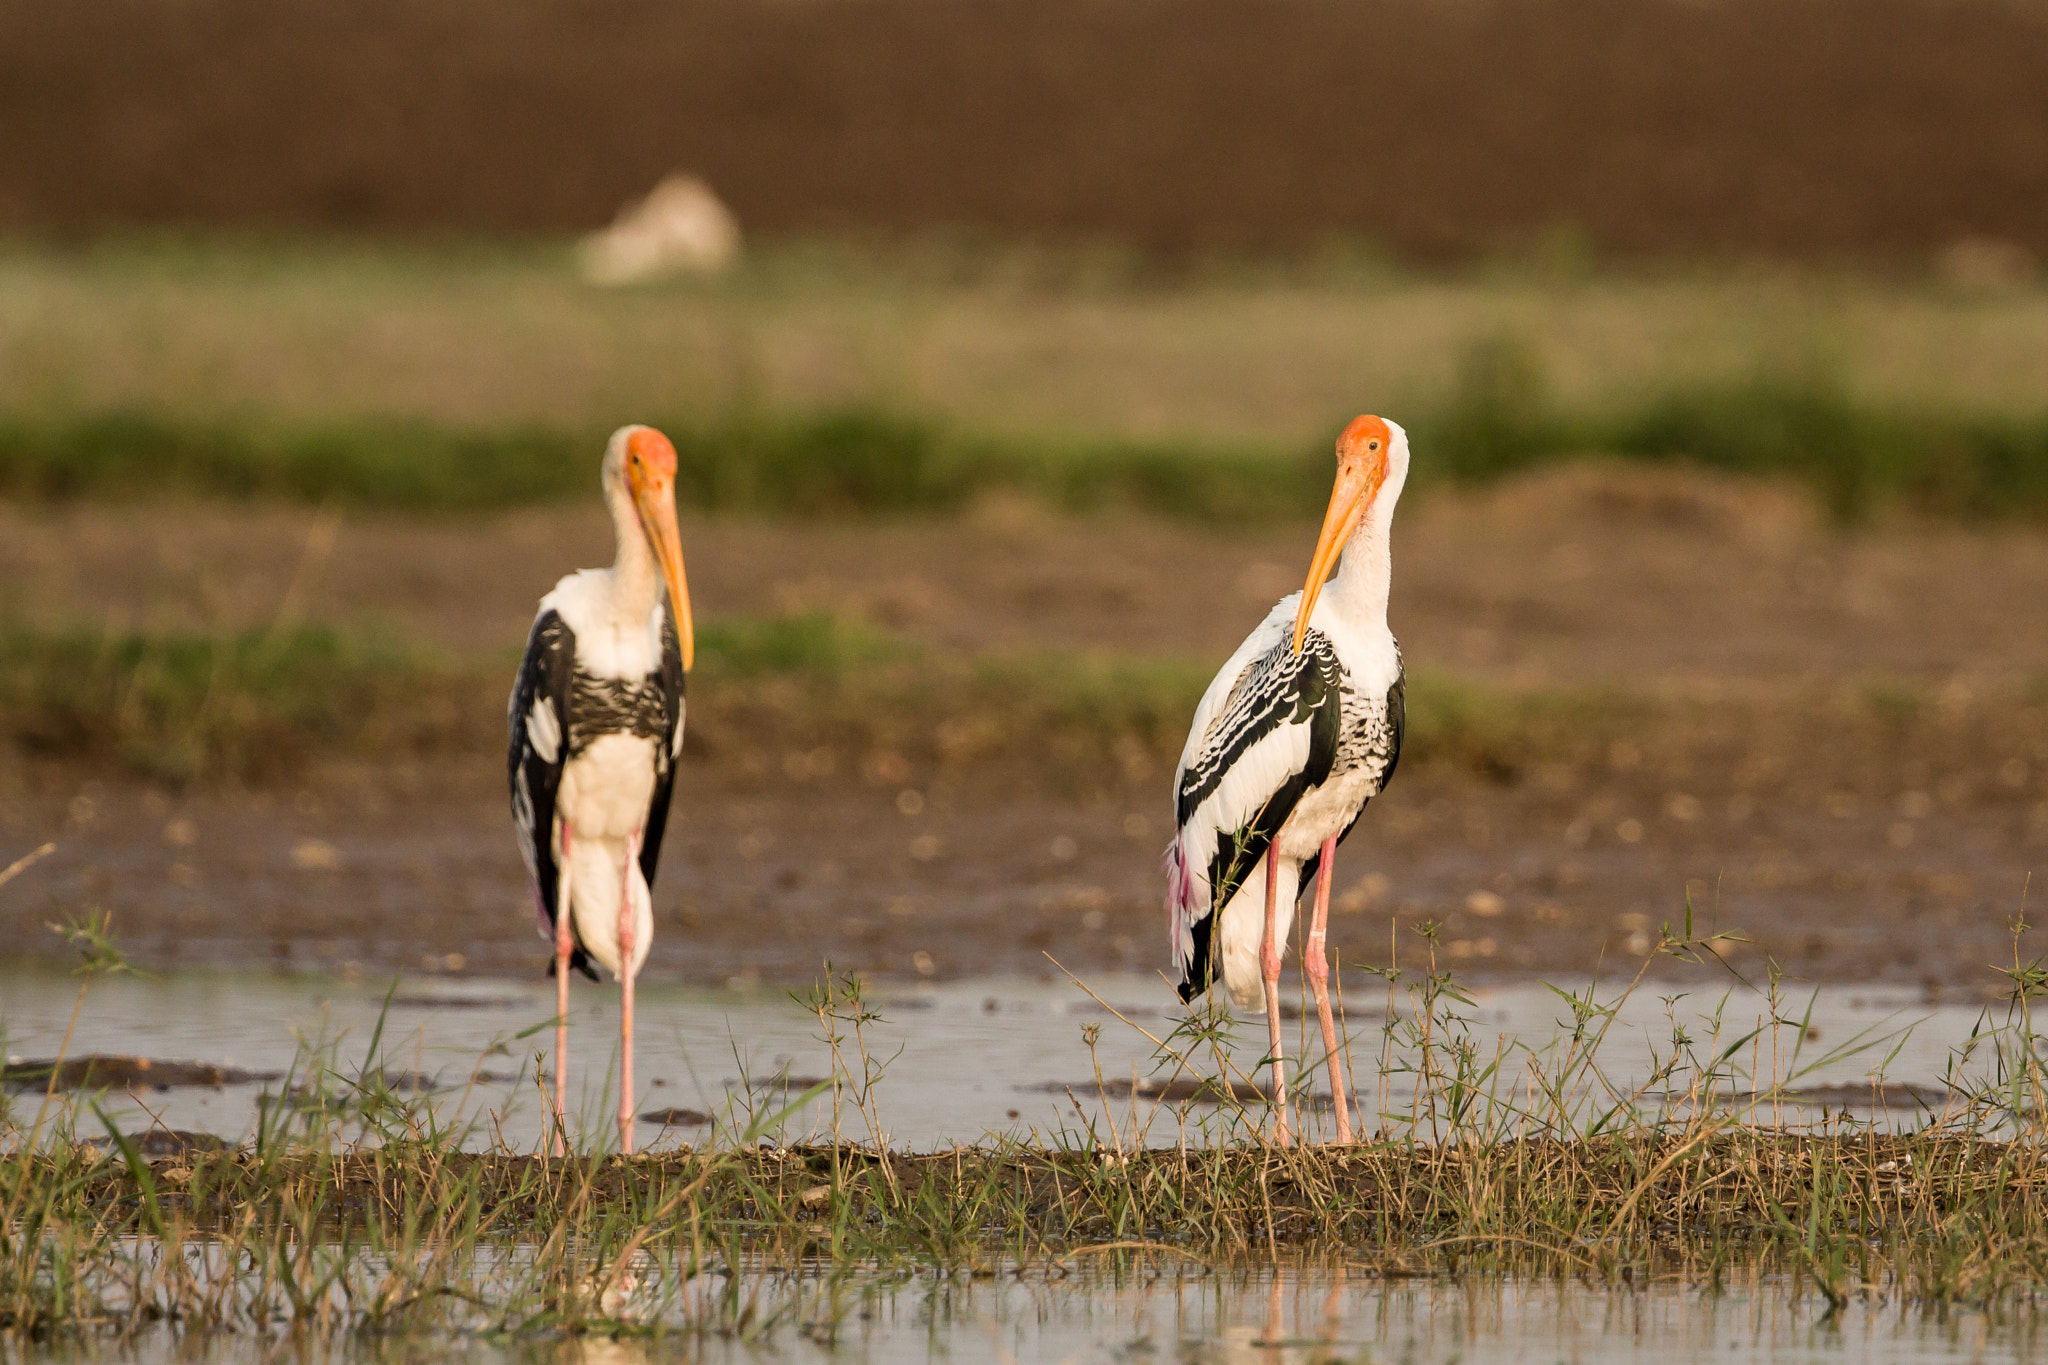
<point>822,378</point>
<point>258,707</point>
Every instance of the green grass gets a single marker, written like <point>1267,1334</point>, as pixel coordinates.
<point>259,707</point>
<point>854,462</point>
<point>1856,458</point>
<point>1012,340</point>
<point>263,707</point>
<point>251,708</point>
<point>827,378</point>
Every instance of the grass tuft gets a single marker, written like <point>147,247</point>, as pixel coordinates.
<point>259,708</point>
<point>1856,458</point>
<point>251,707</point>
<point>853,462</point>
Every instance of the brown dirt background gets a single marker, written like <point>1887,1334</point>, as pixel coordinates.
<point>1792,126</point>
<point>1739,761</point>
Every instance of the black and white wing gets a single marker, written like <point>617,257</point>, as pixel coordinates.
<point>668,747</point>
<point>1266,732</point>
<point>538,724</point>
<point>1373,728</point>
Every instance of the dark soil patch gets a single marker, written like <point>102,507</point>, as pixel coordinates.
<point>1180,1090</point>
<point>1860,863</point>
<point>1889,1096</point>
<point>129,1073</point>
<point>163,1144</point>
<point>1783,125</point>
<point>425,1000</point>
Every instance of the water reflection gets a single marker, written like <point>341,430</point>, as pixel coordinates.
<point>602,1351</point>
<point>1163,1311</point>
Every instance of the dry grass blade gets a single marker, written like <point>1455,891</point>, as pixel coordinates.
<point>25,862</point>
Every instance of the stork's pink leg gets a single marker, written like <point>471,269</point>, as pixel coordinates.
<point>562,947</point>
<point>1316,960</point>
<point>626,947</point>
<point>1269,969</point>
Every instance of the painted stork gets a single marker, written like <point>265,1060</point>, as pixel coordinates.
<point>596,723</point>
<point>1298,731</point>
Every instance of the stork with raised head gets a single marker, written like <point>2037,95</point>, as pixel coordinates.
<point>596,724</point>
<point>1298,731</point>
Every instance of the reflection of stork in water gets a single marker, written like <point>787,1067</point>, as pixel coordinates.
<point>596,727</point>
<point>1298,731</point>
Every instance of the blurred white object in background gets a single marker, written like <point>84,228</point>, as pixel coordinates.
<point>680,227</point>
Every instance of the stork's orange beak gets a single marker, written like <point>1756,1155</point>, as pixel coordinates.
<point>1361,469</point>
<point>651,475</point>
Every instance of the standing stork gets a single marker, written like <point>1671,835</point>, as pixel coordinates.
<point>596,724</point>
<point>1298,731</point>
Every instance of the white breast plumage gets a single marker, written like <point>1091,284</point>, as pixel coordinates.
<point>606,647</point>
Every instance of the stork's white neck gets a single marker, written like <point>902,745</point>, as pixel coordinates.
<point>1359,590</point>
<point>636,583</point>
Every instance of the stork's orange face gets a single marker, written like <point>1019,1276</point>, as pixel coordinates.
<point>651,478</point>
<point>1361,469</point>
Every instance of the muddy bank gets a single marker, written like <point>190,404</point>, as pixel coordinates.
<point>1832,745</point>
<point>1788,828</point>
<point>1637,577</point>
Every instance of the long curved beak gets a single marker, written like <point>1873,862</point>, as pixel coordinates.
<point>1354,492</point>
<point>657,504</point>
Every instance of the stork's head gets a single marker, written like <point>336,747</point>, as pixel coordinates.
<point>645,462</point>
<point>1372,464</point>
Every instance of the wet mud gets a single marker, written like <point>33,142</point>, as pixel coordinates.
<point>123,1073</point>
<point>771,887</point>
<point>1829,750</point>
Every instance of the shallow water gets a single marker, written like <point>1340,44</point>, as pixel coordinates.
<point>961,1061</point>
<point>1180,1312</point>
